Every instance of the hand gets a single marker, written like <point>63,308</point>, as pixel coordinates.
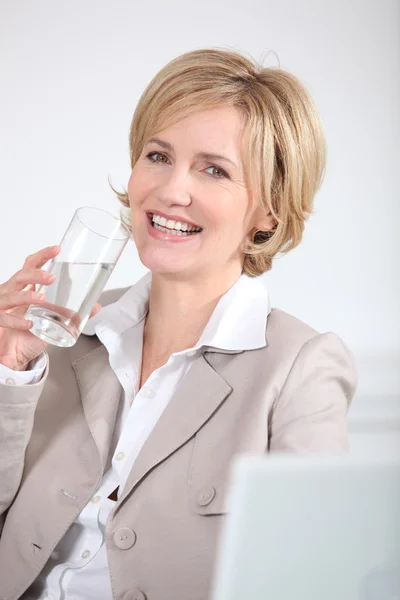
<point>18,346</point>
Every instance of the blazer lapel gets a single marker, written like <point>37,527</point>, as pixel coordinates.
<point>198,396</point>
<point>100,394</point>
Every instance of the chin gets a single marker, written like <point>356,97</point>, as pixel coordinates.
<point>157,262</point>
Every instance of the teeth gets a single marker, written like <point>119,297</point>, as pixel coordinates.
<point>173,231</point>
<point>174,225</point>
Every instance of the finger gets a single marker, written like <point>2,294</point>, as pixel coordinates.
<point>20,299</point>
<point>26,279</point>
<point>12,322</point>
<point>37,260</point>
<point>23,278</point>
<point>96,308</point>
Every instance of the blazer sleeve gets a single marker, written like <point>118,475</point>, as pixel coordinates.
<point>310,414</point>
<point>17,410</point>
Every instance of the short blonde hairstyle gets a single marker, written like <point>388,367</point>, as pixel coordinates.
<point>284,145</point>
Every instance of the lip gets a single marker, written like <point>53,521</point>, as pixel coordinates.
<point>166,237</point>
<point>172,217</point>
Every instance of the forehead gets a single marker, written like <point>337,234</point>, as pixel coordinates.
<point>217,130</point>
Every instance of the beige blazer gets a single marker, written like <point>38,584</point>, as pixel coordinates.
<point>162,535</point>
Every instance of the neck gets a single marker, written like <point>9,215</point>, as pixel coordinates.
<point>179,310</point>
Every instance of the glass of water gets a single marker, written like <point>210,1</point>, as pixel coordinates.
<point>89,251</point>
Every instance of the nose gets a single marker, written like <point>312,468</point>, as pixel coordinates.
<point>173,190</point>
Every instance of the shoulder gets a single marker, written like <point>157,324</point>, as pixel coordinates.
<point>289,332</point>
<point>290,340</point>
<point>281,323</point>
<point>286,334</point>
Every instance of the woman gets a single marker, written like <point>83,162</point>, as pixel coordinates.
<point>116,452</point>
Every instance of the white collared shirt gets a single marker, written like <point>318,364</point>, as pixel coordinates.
<point>78,568</point>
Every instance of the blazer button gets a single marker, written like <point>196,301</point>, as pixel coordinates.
<point>205,496</point>
<point>124,538</point>
<point>134,595</point>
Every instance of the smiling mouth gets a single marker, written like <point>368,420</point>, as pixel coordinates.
<point>179,228</point>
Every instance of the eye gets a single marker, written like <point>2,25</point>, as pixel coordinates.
<point>157,157</point>
<point>217,172</point>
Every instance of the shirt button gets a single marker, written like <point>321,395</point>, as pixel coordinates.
<point>10,381</point>
<point>120,456</point>
<point>96,499</point>
<point>149,392</point>
<point>85,554</point>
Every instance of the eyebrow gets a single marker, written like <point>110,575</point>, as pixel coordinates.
<point>204,155</point>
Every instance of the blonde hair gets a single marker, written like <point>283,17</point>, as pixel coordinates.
<point>284,144</point>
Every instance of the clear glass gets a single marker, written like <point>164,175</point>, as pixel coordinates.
<point>90,249</point>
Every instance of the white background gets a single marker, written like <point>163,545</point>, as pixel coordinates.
<point>72,72</point>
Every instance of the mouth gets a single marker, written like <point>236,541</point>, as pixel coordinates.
<point>172,227</point>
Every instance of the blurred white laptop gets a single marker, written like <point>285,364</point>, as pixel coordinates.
<point>311,529</point>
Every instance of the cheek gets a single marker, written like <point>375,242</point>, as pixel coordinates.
<point>227,212</point>
<point>139,187</point>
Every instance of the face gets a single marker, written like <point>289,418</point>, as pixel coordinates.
<point>190,207</point>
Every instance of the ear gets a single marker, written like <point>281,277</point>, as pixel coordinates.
<point>263,222</point>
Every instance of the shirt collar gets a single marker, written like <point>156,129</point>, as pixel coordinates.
<point>240,318</point>
<point>237,323</point>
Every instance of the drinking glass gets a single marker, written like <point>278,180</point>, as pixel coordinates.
<point>90,249</point>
